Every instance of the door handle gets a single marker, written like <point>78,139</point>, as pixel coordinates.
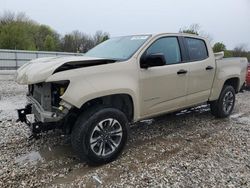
<point>182,71</point>
<point>209,68</point>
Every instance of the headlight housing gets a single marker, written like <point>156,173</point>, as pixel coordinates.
<point>57,90</point>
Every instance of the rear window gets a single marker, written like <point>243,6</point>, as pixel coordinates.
<point>197,49</point>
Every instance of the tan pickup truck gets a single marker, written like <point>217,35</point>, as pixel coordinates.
<point>95,97</point>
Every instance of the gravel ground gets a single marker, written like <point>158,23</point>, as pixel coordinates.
<point>187,149</point>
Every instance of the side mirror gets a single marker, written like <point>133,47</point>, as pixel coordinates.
<point>152,60</point>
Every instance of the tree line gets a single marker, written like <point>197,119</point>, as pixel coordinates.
<point>238,51</point>
<point>17,31</point>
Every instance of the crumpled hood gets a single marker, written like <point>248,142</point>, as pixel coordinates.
<point>39,70</point>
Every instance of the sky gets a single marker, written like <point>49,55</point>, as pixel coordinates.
<point>226,21</point>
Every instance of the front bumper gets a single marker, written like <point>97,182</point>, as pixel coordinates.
<point>43,120</point>
<point>42,115</point>
<point>36,127</point>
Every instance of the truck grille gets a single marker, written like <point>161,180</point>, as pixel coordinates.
<point>48,95</point>
<point>37,96</point>
<point>42,94</point>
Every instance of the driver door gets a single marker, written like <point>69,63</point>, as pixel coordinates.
<point>163,88</point>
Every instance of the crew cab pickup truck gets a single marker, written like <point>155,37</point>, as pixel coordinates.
<point>97,96</point>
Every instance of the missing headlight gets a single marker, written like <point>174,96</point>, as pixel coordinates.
<point>57,90</point>
<point>30,89</point>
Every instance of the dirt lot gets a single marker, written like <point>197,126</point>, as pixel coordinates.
<point>187,149</point>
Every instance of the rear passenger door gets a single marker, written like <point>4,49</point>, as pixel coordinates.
<point>201,70</point>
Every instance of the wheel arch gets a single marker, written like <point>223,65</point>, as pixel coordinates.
<point>234,82</point>
<point>218,85</point>
<point>121,101</point>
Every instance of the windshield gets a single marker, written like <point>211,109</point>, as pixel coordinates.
<point>118,48</point>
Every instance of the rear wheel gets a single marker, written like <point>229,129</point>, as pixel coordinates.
<point>100,135</point>
<point>224,106</point>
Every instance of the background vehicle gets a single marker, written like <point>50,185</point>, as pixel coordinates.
<point>127,79</point>
<point>248,76</point>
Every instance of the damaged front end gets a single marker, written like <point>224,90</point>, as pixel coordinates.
<point>45,109</point>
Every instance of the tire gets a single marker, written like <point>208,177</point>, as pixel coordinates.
<point>107,130</point>
<point>222,109</point>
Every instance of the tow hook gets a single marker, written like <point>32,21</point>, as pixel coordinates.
<point>35,127</point>
<point>23,112</point>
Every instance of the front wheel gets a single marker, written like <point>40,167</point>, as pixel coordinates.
<point>100,135</point>
<point>224,106</point>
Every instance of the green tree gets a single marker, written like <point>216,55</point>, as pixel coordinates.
<point>17,31</point>
<point>77,41</point>
<point>7,17</point>
<point>219,47</point>
<point>240,51</point>
<point>192,29</point>
<point>68,43</point>
<point>100,37</point>
<point>49,43</point>
<point>228,53</point>
<point>195,29</point>
<point>40,34</point>
<point>15,36</point>
<point>105,37</point>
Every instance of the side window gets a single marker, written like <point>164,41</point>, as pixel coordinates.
<point>168,46</point>
<point>197,49</point>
